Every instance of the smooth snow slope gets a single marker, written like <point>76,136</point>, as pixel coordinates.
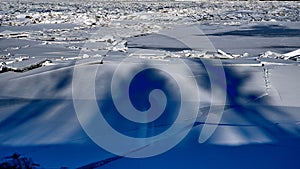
<point>248,114</point>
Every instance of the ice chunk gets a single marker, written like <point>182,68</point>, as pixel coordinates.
<point>224,54</point>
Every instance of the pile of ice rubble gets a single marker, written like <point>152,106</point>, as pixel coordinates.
<point>20,13</point>
<point>220,54</point>
<point>23,64</point>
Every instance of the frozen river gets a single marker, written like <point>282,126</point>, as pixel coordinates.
<point>150,84</point>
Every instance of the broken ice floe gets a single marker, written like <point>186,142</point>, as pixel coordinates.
<point>194,54</point>
<point>293,55</point>
<point>23,65</point>
<point>12,34</point>
<point>104,27</point>
<point>266,58</point>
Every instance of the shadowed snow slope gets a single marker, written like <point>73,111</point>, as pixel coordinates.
<point>224,77</point>
<point>38,120</point>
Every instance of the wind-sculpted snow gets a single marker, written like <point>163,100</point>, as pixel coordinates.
<point>40,121</point>
<point>209,84</point>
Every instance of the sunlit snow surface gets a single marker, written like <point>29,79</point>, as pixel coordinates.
<point>243,57</point>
